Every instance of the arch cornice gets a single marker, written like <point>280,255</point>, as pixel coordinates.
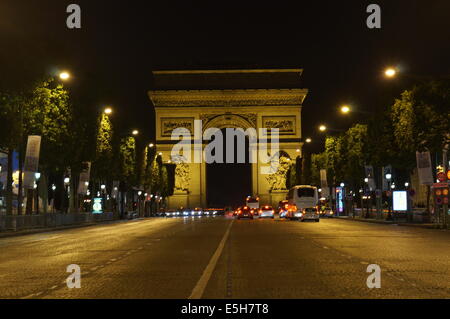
<point>253,97</point>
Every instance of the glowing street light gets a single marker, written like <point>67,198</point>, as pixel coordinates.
<point>345,109</point>
<point>135,132</point>
<point>390,72</point>
<point>108,110</point>
<point>322,128</point>
<point>151,145</point>
<point>308,140</point>
<point>64,75</point>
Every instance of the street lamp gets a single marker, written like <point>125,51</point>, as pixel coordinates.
<point>64,75</point>
<point>322,128</point>
<point>108,110</point>
<point>308,140</point>
<point>345,109</point>
<point>151,145</point>
<point>37,176</point>
<point>388,177</point>
<point>390,72</point>
<point>135,132</point>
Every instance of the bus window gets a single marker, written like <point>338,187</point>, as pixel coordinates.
<point>306,192</point>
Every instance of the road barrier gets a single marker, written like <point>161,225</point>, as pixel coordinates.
<point>22,222</point>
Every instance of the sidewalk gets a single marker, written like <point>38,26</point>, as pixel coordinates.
<point>382,221</point>
<point>12,233</point>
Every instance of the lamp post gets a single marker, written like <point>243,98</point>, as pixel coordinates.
<point>37,177</point>
<point>388,177</point>
<point>66,193</point>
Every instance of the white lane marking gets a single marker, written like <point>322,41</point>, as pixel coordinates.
<point>29,296</point>
<point>54,287</point>
<point>199,288</point>
<point>325,247</point>
<point>113,259</point>
<point>364,263</point>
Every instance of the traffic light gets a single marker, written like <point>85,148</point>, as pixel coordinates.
<point>441,195</point>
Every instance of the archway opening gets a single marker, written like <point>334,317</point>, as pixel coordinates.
<point>227,183</point>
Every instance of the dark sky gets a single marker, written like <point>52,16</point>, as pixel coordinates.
<point>121,42</point>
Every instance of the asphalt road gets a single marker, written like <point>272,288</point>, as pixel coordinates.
<point>221,258</point>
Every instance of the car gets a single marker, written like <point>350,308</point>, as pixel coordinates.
<point>172,213</point>
<point>236,211</point>
<point>213,212</point>
<point>267,211</point>
<point>283,207</point>
<point>197,212</point>
<point>310,213</point>
<point>294,213</point>
<point>245,212</point>
<point>327,212</point>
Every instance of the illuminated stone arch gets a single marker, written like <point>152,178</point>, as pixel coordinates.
<point>227,99</point>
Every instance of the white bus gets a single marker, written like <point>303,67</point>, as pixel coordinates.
<point>252,202</point>
<point>303,201</point>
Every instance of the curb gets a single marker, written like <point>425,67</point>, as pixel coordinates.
<point>45,230</point>
<point>426,226</point>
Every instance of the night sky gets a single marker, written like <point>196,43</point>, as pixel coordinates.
<point>121,42</point>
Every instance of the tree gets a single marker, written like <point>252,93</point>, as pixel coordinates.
<point>128,160</point>
<point>335,150</point>
<point>421,121</point>
<point>318,162</point>
<point>9,138</point>
<point>356,154</point>
<point>102,169</point>
<point>155,175</point>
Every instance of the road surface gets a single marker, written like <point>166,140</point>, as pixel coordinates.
<point>219,257</point>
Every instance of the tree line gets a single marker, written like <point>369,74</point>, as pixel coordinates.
<point>418,120</point>
<point>74,132</point>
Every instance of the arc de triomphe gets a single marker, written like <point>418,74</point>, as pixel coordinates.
<point>228,99</point>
